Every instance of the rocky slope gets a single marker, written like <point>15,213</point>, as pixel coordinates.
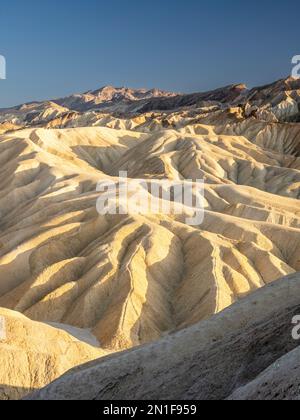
<point>131,279</point>
<point>33,354</point>
<point>245,352</point>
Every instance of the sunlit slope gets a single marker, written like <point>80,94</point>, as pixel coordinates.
<point>34,354</point>
<point>131,279</point>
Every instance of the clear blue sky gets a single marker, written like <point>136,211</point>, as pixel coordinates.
<point>54,48</point>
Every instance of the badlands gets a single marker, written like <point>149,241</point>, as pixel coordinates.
<point>215,299</point>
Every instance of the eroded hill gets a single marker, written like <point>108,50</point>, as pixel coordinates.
<point>131,279</point>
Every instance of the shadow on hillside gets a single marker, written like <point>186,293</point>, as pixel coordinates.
<point>13,393</point>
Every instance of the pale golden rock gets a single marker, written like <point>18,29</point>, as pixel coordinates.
<point>34,354</point>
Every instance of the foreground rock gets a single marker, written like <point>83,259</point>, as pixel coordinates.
<point>247,351</point>
<point>279,382</point>
<point>34,354</point>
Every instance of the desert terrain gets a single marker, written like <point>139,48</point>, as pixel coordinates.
<point>76,287</point>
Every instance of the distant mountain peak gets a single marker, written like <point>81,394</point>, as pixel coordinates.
<point>125,102</point>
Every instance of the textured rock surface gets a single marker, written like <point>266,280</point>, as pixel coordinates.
<point>225,355</point>
<point>279,382</point>
<point>132,279</point>
<point>34,354</point>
